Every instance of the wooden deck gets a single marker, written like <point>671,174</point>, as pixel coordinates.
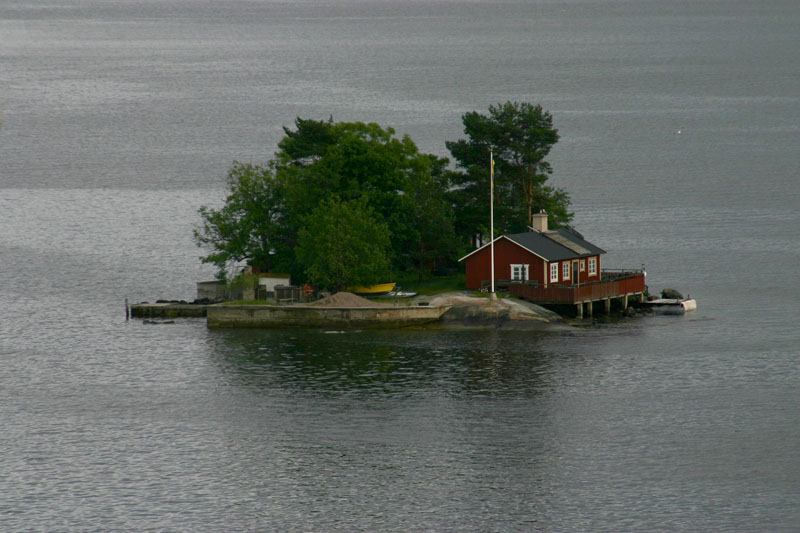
<point>614,284</point>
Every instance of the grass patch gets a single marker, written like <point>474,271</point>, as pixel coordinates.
<point>431,284</point>
<point>426,286</point>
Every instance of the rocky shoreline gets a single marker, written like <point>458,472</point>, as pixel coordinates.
<point>501,313</point>
<point>452,309</point>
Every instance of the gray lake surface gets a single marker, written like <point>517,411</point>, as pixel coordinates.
<point>680,145</point>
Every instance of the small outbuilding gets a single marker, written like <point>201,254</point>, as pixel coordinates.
<point>267,283</point>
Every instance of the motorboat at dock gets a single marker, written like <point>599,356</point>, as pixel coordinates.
<point>671,306</point>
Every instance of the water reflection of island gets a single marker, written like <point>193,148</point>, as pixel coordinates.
<point>383,362</point>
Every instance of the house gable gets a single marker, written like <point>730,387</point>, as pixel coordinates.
<point>513,242</point>
<point>507,254</point>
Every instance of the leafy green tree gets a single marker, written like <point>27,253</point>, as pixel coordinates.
<point>327,163</point>
<point>308,142</point>
<point>520,136</point>
<point>436,246</point>
<point>321,160</point>
<point>344,244</point>
<point>247,228</point>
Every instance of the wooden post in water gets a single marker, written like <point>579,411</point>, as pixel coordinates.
<point>127,310</point>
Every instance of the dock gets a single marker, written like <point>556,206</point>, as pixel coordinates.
<point>623,286</point>
<point>265,316</point>
<point>168,310</point>
<point>288,316</point>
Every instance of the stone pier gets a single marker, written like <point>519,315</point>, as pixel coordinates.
<point>261,316</point>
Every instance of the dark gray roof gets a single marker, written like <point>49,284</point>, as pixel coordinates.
<point>556,245</point>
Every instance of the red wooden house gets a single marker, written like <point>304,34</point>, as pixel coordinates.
<point>550,266</point>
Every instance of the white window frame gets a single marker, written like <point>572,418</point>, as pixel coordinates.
<point>583,265</point>
<point>566,266</point>
<point>523,268</point>
<point>553,272</point>
<point>592,266</point>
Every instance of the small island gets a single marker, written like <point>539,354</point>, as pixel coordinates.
<point>348,205</point>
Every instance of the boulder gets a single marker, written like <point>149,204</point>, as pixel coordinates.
<point>504,313</point>
<point>671,294</point>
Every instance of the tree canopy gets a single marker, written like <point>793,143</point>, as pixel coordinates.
<point>325,163</point>
<point>344,244</point>
<point>348,203</point>
<point>248,226</point>
<point>520,136</point>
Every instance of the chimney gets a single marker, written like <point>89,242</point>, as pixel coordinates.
<point>539,221</point>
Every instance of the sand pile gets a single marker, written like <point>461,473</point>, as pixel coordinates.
<point>346,299</point>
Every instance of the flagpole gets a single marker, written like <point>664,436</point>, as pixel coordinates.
<point>491,214</point>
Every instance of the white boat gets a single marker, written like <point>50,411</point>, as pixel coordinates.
<point>671,306</point>
<point>397,294</point>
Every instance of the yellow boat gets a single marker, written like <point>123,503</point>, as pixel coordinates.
<point>375,290</point>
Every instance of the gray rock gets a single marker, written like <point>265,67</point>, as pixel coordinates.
<point>671,294</point>
<point>504,313</point>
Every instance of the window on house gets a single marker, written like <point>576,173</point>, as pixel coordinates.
<point>583,265</point>
<point>554,272</point>
<point>592,266</point>
<point>519,272</point>
<point>565,269</point>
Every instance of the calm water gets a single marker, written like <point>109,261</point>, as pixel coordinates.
<point>120,120</point>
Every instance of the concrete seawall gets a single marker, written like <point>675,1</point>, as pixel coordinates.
<point>257,316</point>
<point>447,309</point>
<point>168,310</point>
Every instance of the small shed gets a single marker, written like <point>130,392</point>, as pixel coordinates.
<point>268,281</point>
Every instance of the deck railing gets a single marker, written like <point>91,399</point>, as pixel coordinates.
<point>613,284</point>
